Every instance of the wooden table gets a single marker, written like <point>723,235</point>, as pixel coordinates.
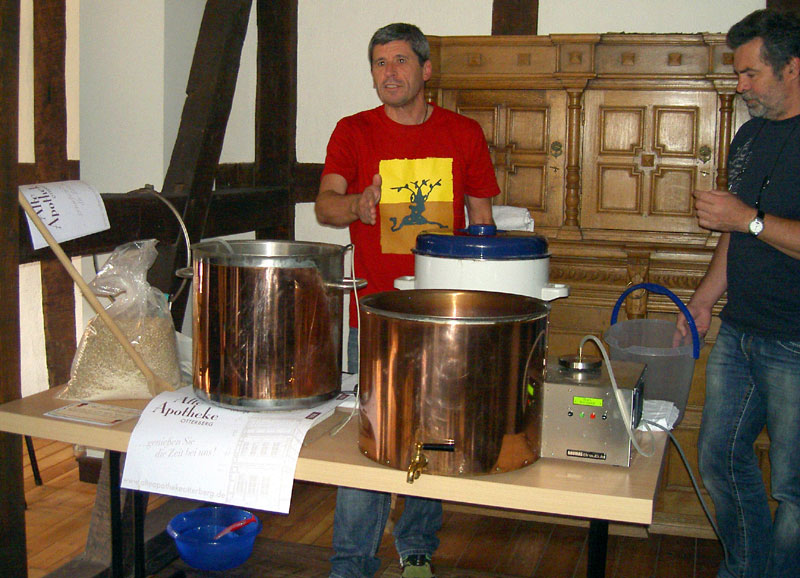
<point>599,493</point>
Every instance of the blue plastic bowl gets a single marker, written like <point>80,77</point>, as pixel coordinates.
<point>194,533</point>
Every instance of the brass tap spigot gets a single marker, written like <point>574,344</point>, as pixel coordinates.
<point>417,464</point>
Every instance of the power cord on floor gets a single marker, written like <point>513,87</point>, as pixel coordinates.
<point>691,476</point>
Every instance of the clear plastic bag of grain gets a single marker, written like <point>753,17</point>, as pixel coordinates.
<point>102,369</point>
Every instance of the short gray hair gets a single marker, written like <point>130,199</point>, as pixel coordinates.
<point>400,31</point>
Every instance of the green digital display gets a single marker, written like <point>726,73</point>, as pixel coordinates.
<point>591,401</point>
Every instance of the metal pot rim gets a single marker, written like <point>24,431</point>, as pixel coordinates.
<point>424,302</point>
<point>265,253</point>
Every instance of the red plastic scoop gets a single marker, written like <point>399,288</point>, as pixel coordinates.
<point>235,526</point>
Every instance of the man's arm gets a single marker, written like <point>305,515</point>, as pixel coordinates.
<point>479,210</point>
<point>783,234</point>
<point>722,211</point>
<point>334,206</point>
<point>711,288</point>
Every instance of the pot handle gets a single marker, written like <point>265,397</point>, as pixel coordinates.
<point>346,283</point>
<point>552,291</point>
<point>404,283</point>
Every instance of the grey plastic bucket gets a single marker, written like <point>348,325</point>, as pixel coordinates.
<point>670,367</point>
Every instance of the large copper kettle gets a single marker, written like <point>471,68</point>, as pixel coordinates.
<point>267,322</point>
<point>450,381</point>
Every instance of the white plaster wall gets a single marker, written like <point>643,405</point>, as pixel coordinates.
<point>642,16</point>
<point>122,108</point>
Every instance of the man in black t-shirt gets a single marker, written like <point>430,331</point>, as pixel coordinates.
<point>753,371</point>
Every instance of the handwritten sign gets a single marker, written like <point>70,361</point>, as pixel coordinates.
<point>69,209</point>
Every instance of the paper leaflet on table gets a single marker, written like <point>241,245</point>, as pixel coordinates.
<point>69,209</point>
<point>186,447</point>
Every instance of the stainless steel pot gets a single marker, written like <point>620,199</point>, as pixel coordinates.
<point>267,322</point>
<point>450,381</point>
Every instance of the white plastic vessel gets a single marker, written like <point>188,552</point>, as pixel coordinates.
<point>484,259</point>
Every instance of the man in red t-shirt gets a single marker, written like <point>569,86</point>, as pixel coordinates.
<point>390,173</point>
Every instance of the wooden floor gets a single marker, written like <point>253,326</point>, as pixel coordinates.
<point>298,545</point>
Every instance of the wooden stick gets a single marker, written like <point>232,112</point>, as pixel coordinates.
<point>154,383</point>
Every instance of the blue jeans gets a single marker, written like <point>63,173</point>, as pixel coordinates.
<point>361,516</point>
<point>358,525</point>
<point>752,381</point>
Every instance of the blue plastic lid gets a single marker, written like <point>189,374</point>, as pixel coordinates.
<point>482,242</point>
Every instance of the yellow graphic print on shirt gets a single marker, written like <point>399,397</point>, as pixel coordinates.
<point>416,196</point>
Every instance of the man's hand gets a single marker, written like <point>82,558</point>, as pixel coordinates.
<point>722,211</point>
<point>336,208</point>
<point>367,202</point>
<point>701,318</point>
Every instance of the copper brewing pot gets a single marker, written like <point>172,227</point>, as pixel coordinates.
<point>267,322</point>
<point>450,381</point>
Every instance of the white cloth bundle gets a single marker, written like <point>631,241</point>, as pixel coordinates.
<point>509,218</point>
<point>662,412</point>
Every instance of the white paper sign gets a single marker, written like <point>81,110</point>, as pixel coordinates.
<point>69,209</point>
<point>183,446</point>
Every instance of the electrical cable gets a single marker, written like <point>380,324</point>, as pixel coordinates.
<point>356,406</point>
<point>152,191</point>
<point>627,419</point>
<point>186,239</point>
<point>691,476</point>
<point>626,415</point>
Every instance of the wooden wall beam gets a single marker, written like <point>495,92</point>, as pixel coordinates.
<point>12,505</point>
<point>50,146</point>
<point>787,5</point>
<point>276,91</point>
<point>209,97</point>
<point>514,17</point>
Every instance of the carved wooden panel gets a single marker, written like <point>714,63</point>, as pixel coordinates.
<point>526,132</point>
<point>644,153</point>
<point>637,54</point>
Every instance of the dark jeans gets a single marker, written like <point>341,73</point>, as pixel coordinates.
<point>752,381</point>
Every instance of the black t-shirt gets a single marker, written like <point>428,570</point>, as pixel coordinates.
<point>763,283</point>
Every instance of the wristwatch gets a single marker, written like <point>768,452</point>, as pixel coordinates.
<point>757,224</point>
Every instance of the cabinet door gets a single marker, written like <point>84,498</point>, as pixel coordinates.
<point>644,153</point>
<point>526,132</point>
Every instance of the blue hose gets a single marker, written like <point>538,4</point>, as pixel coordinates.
<point>661,290</point>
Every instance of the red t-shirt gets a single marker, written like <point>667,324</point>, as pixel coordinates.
<point>426,170</point>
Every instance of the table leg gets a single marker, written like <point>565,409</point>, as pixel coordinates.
<point>598,547</point>
<point>139,508</point>
<point>37,477</point>
<point>116,515</point>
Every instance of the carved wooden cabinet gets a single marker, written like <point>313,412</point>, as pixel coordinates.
<point>642,152</point>
<point>526,132</point>
<point>603,138</point>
